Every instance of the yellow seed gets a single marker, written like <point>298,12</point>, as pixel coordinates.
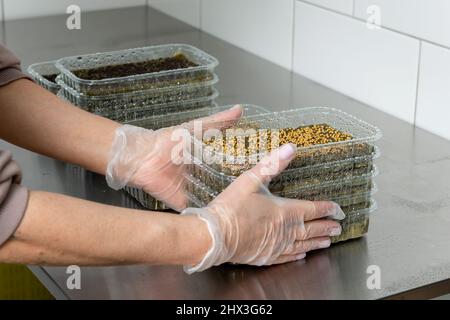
<point>262,140</point>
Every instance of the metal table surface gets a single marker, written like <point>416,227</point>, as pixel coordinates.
<point>409,238</point>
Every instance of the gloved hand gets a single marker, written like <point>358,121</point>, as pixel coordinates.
<point>153,160</point>
<point>249,225</point>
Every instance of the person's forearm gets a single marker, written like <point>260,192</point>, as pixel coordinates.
<point>60,230</point>
<point>37,120</point>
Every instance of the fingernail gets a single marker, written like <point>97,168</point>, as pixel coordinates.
<point>336,231</point>
<point>335,212</point>
<point>287,151</point>
<point>237,107</point>
<point>300,256</point>
<point>325,244</point>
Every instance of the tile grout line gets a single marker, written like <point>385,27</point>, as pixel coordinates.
<point>382,27</point>
<point>3,22</point>
<point>200,15</point>
<point>418,84</point>
<point>291,78</point>
<point>293,35</point>
<point>147,23</point>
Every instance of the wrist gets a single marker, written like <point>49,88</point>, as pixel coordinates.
<point>196,239</point>
<point>130,148</point>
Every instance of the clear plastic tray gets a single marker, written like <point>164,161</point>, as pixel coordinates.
<point>332,189</point>
<point>352,194</point>
<point>156,110</point>
<point>38,71</point>
<point>176,118</point>
<point>293,177</point>
<point>203,72</point>
<point>137,99</point>
<point>172,119</point>
<point>161,110</point>
<point>355,224</point>
<point>145,199</point>
<point>362,144</point>
<point>164,121</point>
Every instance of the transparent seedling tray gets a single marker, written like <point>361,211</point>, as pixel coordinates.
<point>137,99</point>
<point>177,118</point>
<point>165,109</point>
<point>355,224</point>
<point>161,110</point>
<point>45,73</point>
<point>254,128</point>
<point>330,190</point>
<point>71,66</point>
<point>293,177</point>
<point>168,120</point>
<point>351,194</point>
<point>172,119</point>
<point>146,200</point>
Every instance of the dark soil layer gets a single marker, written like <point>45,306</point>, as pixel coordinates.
<point>51,77</point>
<point>179,61</point>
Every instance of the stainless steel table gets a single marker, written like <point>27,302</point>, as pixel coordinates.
<point>409,237</point>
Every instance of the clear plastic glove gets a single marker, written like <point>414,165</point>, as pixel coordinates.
<point>249,225</point>
<point>153,160</point>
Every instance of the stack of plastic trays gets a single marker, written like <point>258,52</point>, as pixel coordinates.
<point>45,73</point>
<point>140,95</point>
<point>177,118</point>
<point>341,171</point>
<point>140,105</point>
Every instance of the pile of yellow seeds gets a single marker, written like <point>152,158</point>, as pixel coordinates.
<point>255,141</point>
<point>312,135</point>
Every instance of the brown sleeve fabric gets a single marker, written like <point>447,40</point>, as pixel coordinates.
<point>9,67</point>
<point>13,197</point>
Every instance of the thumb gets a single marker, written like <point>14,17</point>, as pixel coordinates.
<point>271,165</point>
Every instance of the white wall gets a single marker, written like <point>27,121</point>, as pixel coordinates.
<point>425,19</point>
<point>17,9</point>
<point>377,67</point>
<point>187,10</point>
<point>433,105</point>
<point>263,27</point>
<point>402,69</point>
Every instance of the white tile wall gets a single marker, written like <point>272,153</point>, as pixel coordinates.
<point>185,10</point>
<point>378,67</point>
<point>16,9</point>
<point>433,108</point>
<point>344,6</point>
<point>263,27</point>
<point>39,40</point>
<point>429,20</point>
